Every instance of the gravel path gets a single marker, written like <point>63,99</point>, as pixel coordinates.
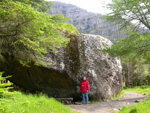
<point>110,106</point>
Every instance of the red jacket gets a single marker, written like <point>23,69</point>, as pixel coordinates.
<point>84,86</point>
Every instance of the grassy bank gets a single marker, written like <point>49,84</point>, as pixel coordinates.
<point>141,90</point>
<point>21,103</point>
<point>142,107</point>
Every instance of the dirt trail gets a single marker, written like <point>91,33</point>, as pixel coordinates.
<point>110,106</point>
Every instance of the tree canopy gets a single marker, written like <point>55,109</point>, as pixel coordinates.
<point>134,17</point>
<point>26,34</point>
<point>40,5</point>
<point>126,11</point>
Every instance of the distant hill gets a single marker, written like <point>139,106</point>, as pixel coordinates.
<point>86,22</point>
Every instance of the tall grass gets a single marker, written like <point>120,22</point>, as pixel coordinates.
<point>21,103</point>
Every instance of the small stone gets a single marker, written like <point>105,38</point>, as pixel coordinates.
<point>77,103</point>
<point>115,109</point>
<point>137,101</point>
<point>119,109</point>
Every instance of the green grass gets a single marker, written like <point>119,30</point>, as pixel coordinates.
<point>141,90</point>
<point>21,103</point>
<point>142,107</point>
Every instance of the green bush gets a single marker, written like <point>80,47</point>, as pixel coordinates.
<point>137,82</point>
<point>142,81</point>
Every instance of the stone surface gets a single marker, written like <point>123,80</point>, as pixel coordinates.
<point>65,100</point>
<point>63,77</point>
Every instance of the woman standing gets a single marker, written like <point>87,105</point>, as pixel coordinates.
<point>84,87</point>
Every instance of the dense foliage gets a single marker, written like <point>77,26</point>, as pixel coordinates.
<point>135,72</point>
<point>40,5</point>
<point>133,17</point>
<point>126,11</point>
<point>133,13</point>
<point>26,34</point>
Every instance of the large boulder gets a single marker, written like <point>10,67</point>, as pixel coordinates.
<point>62,78</point>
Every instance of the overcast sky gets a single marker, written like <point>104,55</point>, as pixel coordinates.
<point>95,6</point>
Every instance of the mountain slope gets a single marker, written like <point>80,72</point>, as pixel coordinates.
<point>86,22</point>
